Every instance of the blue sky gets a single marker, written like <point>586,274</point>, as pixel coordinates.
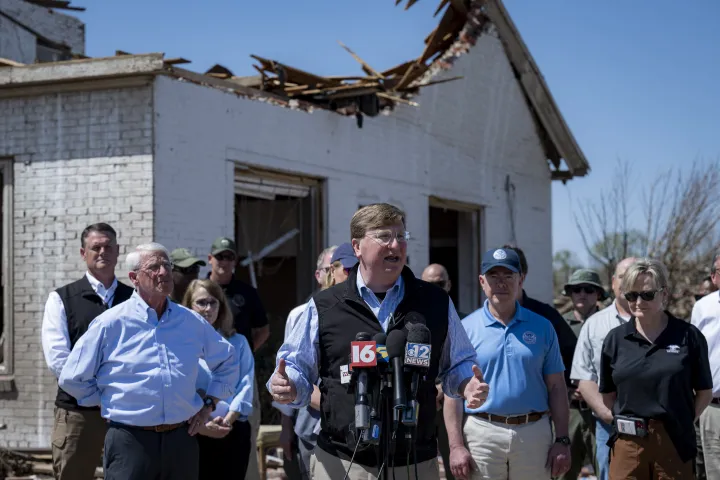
<point>635,80</point>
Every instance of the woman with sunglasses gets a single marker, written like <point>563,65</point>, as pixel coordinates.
<point>225,457</point>
<point>655,378</point>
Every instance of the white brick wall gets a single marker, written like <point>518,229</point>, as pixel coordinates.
<point>52,25</point>
<point>461,143</point>
<point>80,158</point>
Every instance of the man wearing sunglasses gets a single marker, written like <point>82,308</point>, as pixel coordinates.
<point>186,268</point>
<point>585,290</point>
<point>586,364</point>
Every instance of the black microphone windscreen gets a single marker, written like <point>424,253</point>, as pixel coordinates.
<point>363,337</point>
<point>414,318</point>
<point>396,343</point>
<point>419,334</point>
<point>380,338</point>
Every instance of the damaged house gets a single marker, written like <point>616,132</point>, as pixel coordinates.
<point>466,138</point>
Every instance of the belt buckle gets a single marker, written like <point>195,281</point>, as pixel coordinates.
<point>157,428</point>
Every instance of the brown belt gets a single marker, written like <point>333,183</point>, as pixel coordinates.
<point>156,428</point>
<point>514,420</point>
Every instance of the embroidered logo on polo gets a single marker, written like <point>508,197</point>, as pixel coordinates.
<point>673,349</point>
<point>530,338</point>
<point>499,254</point>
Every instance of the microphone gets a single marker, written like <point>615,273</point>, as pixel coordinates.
<point>396,349</point>
<point>417,359</point>
<point>362,356</point>
<point>381,350</point>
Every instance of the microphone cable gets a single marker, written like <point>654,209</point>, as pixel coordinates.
<point>352,459</point>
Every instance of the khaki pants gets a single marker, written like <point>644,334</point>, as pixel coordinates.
<point>648,458</point>
<point>329,467</point>
<point>77,443</point>
<point>508,452</point>
<point>253,470</point>
<point>710,438</point>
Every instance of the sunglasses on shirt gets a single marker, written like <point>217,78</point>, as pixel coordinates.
<point>647,296</point>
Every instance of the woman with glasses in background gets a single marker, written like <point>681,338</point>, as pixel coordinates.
<point>225,457</point>
<point>655,378</point>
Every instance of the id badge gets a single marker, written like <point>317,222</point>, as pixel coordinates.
<point>345,374</point>
<point>626,426</point>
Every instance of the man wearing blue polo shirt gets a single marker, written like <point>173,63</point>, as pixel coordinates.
<point>509,436</point>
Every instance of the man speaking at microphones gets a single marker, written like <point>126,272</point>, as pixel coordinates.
<point>378,297</point>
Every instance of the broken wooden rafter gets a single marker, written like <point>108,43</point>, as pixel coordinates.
<point>365,66</point>
<point>175,61</point>
<point>6,62</point>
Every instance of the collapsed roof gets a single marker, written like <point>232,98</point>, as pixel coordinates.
<point>462,22</point>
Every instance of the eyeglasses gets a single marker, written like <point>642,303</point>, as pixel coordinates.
<point>221,257</point>
<point>154,268</point>
<point>588,290</point>
<point>194,270</point>
<point>206,302</point>
<point>648,296</point>
<point>385,237</point>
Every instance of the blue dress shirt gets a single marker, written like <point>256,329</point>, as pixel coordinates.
<point>301,354</point>
<point>244,390</point>
<point>514,360</point>
<point>142,369</point>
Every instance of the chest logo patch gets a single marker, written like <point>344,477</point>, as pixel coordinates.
<point>238,300</point>
<point>530,338</point>
<point>673,349</point>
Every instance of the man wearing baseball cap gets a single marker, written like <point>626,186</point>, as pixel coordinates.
<point>186,268</point>
<point>249,318</point>
<point>518,352</point>
<point>585,290</point>
<point>342,261</point>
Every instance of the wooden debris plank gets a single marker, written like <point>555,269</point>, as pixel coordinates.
<point>398,69</point>
<point>393,98</point>
<point>447,26</point>
<point>410,4</point>
<point>297,75</point>
<point>6,62</point>
<point>343,88</point>
<point>176,61</point>
<point>442,5</point>
<point>119,53</point>
<point>354,93</point>
<point>365,66</point>
<point>434,82</point>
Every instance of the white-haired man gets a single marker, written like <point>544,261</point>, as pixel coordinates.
<point>138,361</point>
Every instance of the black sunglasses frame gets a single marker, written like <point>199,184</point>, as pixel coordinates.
<point>587,290</point>
<point>648,296</point>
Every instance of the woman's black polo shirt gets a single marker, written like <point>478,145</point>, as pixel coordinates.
<point>657,381</point>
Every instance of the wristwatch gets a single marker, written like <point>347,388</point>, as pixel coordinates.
<point>563,440</point>
<point>209,402</point>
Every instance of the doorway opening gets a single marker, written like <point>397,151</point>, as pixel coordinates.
<point>455,243</point>
<point>279,234</point>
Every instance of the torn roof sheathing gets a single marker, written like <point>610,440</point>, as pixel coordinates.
<point>461,24</point>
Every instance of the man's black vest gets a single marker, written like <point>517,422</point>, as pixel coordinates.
<point>342,314</point>
<point>82,305</point>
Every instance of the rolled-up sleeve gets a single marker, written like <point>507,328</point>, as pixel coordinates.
<point>300,352</point>
<point>222,361</point>
<point>583,367</point>
<point>458,356</point>
<point>242,402</point>
<point>78,374</point>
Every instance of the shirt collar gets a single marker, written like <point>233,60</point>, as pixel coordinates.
<point>489,319</point>
<point>99,287</point>
<point>361,286</point>
<point>616,313</point>
<point>143,309</point>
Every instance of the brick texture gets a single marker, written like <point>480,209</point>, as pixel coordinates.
<point>80,158</point>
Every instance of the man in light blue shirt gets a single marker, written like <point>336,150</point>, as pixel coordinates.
<point>380,291</point>
<point>509,436</point>
<point>139,362</point>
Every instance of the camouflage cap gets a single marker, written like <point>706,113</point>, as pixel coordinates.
<point>585,276</point>
<point>223,244</point>
<point>181,257</point>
